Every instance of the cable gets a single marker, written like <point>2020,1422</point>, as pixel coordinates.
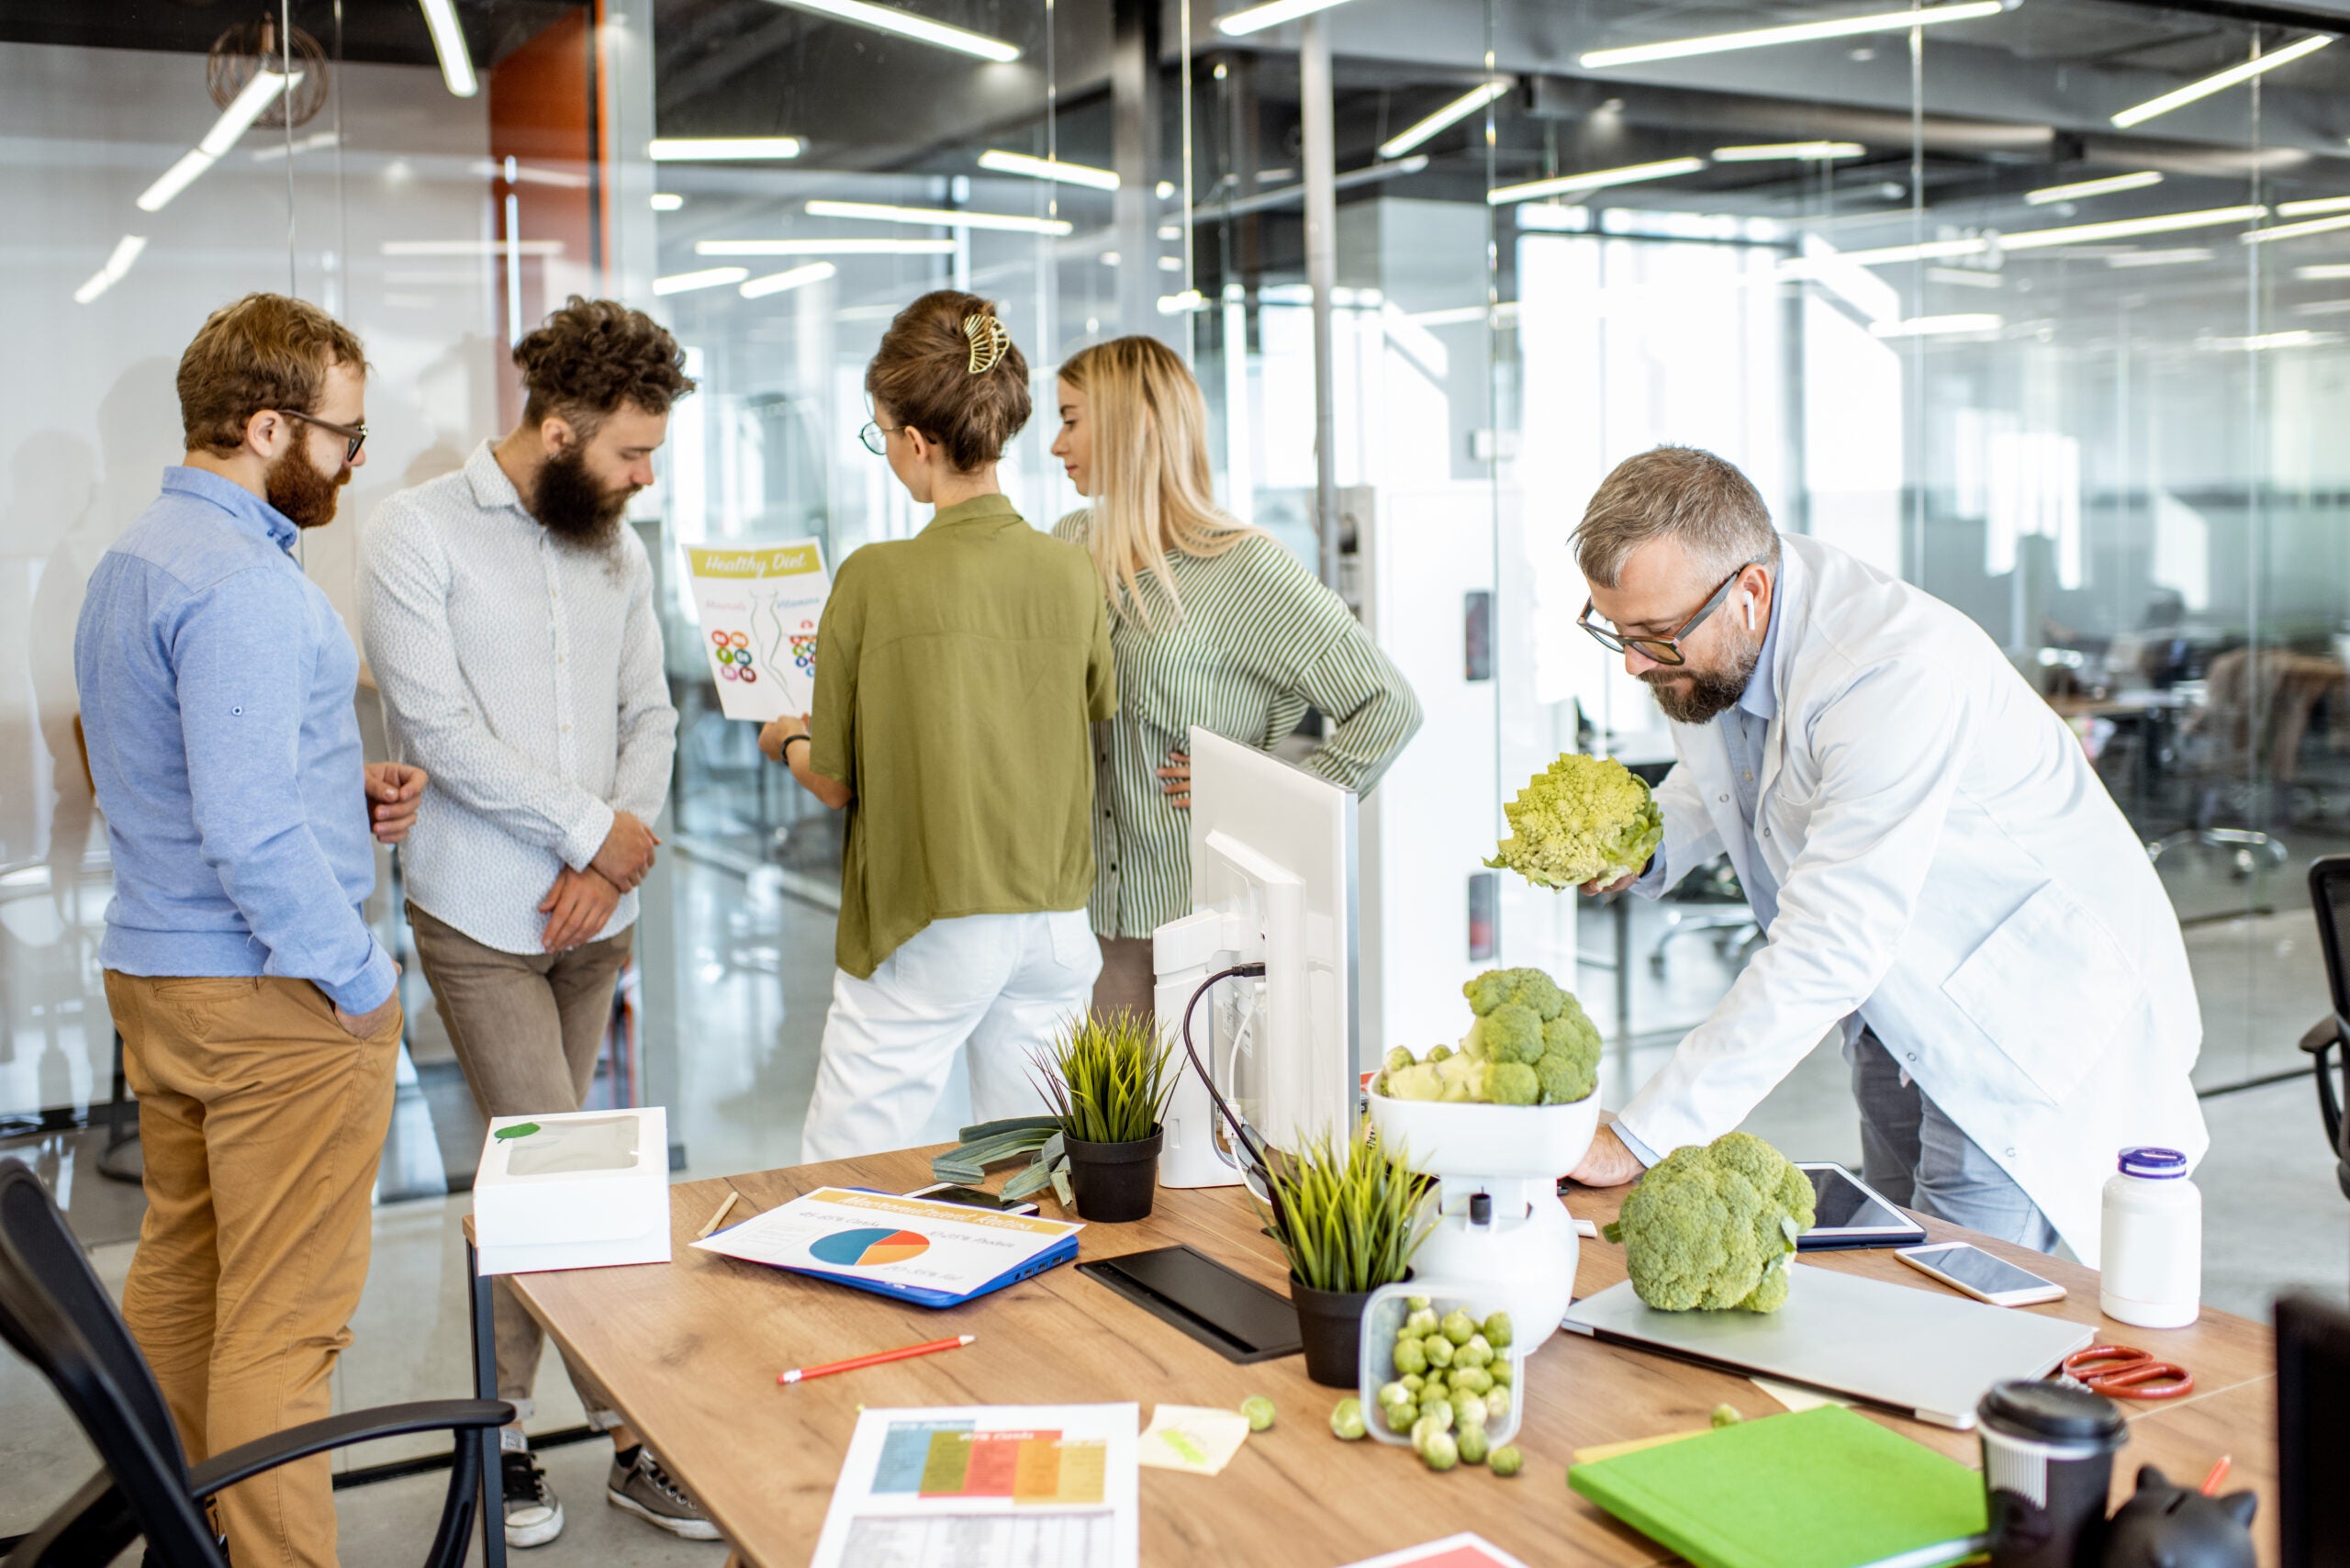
<point>1248,1145</point>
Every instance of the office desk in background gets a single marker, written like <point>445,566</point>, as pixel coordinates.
<point>691,1351</point>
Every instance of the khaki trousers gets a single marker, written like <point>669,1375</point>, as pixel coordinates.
<point>261,1122</point>
<point>1129,977</point>
<point>527,1028</point>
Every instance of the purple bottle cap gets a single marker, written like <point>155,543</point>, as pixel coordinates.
<point>2154,1164</point>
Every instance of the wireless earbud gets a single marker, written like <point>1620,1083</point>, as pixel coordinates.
<point>1750,612</point>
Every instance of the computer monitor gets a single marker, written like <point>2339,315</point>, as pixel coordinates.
<point>2313,1432</point>
<point>1273,881</point>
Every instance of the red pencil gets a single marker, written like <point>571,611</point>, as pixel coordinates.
<point>801,1374</point>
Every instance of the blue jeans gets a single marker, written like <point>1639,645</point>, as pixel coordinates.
<point>1914,1154</point>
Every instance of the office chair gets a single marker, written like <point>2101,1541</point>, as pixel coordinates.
<point>2330,895</point>
<point>56,1315</point>
<point>2313,1432</point>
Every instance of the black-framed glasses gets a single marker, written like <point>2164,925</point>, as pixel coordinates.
<point>876,437</point>
<point>1661,650</point>
<point>354,436</point>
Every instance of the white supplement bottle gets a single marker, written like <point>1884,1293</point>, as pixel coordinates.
<point>2153,1275</point>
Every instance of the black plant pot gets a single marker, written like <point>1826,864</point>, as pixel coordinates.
<point>1114,1181</point>
<point>1330,1323</point>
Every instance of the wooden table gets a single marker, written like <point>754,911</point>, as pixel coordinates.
<point>690,1353</point>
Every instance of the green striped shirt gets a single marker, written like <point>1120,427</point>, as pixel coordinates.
<point>1260,641</point>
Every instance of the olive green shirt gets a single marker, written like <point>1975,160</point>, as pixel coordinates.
<point>957,676</point>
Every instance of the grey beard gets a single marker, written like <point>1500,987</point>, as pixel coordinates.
<point>1710,693</point>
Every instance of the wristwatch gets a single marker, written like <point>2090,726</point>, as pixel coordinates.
<point>785,750</point>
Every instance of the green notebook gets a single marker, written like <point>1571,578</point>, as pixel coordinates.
<point>1820,1488</point>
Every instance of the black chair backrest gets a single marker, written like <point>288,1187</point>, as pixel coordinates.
<point>2330,898</point>
<point>56,1314</point>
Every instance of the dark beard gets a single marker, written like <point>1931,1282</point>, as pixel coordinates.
<point>303,494</point>
<point>1710,692</point>
<point>572,506</point>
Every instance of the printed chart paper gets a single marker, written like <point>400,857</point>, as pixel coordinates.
<point>871,1237</point>
<point>988,1486</point>
<point>760,607</point>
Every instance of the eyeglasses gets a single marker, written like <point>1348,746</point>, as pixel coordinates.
<point>1661,650</point>
<point>354,436</point>
<point>876,437</point>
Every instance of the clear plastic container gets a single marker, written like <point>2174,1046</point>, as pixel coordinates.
<point>1383,1315</point>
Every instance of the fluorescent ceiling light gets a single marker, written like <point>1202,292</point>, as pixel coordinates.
<point>905,24</point>
<point>1786,151</point>
<point>709,277</point>
<point>2030,239</point>
<point>1256,18</point>
<point>472,247</point>
<point>667,201</point>
<point>126,251</point>
<point>317,141</point>
<point>1799,32</point>
<point>1964,278</point>
<point>2171,258</point>
<point>2141,113</point>
<point>2300,338</point>
<point>1592,179</point>
<point>1047,169</point>
<point>449,43</point>
<point>2080,188</point>
<point>777,283</point>
<point>1177,304</point>
<point>2321,204</point>
<point>1939,326</point>
<point>1461,108</point>
<point>943,218</point>
<point>823,247</point>
<point>2294,231</point>
<point>2323,270</point>
<point>724,149</point>
<point>234,121</point>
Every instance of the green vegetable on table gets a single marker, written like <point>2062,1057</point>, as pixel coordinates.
<point>1712,1226</point>
<point>1400,1418</point>
<point>1440,1450</point>
<point>1582,819</point>
<point>1347,1422</point>
<point>1497,1405</point>
<point>1724,1416</point>
<point>1505,1459</point>
<point>1471,1441</point>
<point>1530,1043</point>
<point>1259,1411</point>
<point>1497,1331</point>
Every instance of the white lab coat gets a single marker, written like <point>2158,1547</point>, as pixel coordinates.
<point>1952,871</point>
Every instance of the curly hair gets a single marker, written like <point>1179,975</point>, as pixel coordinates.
<point>592,356</point>
<point>947,368</point>
<point>264,351</point>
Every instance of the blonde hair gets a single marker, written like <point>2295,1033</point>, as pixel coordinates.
<point>1152,492</point>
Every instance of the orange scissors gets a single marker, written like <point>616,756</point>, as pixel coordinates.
<point>2119,1372</point>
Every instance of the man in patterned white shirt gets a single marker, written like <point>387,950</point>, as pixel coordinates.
<point>508,613</point>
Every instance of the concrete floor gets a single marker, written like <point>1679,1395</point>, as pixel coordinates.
<point>757,972</point>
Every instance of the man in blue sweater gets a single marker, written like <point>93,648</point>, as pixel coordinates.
<point>258,1013</point>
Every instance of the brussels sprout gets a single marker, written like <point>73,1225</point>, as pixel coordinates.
<point>1413,1382</point>
<point>1475,1353</point>
<point>1347,1420</point>
<point>1437,1350</point>
<point>1410,1357</point>
<point>1499,1372</point>
<point>1474,1380</point>
<point>1440,1452</point>
<point>1394,1393</point>
<point>1438,1411</point>
<point>1497,1405</point>
<point>1497,1331</point>
<point>1505,1459</point>
<point>1725,1416</point>
<point>1436,1379</point>
<point>1416,1304</point>
<point>1421,1323</point>
<point>1458,1325</point>
<point>1468,1410</point>
<point>1259,1411</point>
<point>1400,1418</point>
<point>1471,1442</point>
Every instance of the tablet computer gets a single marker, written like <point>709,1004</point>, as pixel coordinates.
<point>1851,1212</point>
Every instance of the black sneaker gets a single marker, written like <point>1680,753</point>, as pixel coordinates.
<point>533,1513</point>
<point>638,1484</point>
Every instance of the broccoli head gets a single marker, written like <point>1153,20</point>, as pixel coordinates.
<point>1569,1064</point>
<point>1582,819</point>
<point>1712,1227</point>
<point>1527,988</point>
<point>1509,1033</point>
<point>1512,1084</point>
<point>1418,1082</point>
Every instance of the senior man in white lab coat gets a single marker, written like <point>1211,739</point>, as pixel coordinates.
<point>1939,872</point>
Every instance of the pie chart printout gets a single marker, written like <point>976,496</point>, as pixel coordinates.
<point>869,1248</point>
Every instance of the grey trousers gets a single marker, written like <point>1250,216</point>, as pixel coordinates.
<point>1914,1154</point>
<point>527,1028</point>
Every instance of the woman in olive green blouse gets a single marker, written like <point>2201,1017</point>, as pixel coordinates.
<point>957,675</point>
<point>1213,623</point>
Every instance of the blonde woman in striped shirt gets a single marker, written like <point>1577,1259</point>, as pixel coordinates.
<point>1213,623</point>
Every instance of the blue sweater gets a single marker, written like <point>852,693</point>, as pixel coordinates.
<point>216,684</point>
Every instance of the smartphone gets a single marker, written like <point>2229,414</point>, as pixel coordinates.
<point>971,1197</point>
<point>1980,1274</point>
<point>1848,1213</point>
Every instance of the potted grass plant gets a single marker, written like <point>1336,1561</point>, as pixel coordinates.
<point>1349,1213</point>
<point>1108,1078</point>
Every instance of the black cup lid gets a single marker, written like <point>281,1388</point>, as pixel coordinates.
<point>2051,1411</point>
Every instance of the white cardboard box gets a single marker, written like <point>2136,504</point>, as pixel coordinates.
<point>579,1193</point>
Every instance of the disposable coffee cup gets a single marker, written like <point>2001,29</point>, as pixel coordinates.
<point>2047,1466</point>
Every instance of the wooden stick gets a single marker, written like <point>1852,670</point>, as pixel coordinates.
<point>714,1220</point>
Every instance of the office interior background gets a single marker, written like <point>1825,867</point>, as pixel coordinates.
<point>1939,288</point>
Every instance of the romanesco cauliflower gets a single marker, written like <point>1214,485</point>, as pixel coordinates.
<point>1582,819</point>
<point>1712,1226</point>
